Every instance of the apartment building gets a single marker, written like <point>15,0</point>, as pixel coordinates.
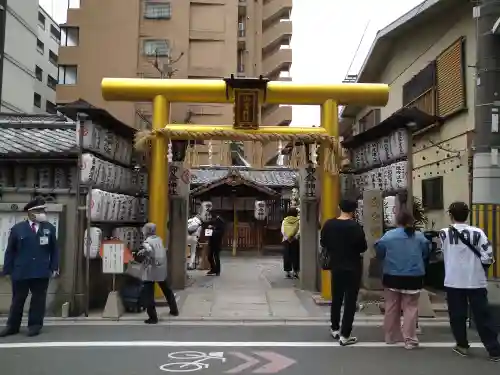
<point>46,68</point>
<point>18,34</point>
<point>199,39</point>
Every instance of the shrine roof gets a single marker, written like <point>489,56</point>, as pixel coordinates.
<point>271,177</point>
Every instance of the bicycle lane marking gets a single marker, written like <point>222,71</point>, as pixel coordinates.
<point>189,361</point>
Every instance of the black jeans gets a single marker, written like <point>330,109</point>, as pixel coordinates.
<point>148,298</point>
<point>214,259</point>
<point>291,256</point>
<point>20,291</point>
<point>345,289</point>
<point>458,303</point>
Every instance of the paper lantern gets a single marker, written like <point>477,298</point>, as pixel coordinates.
<point>260,212</point>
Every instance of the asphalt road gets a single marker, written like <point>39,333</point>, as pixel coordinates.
<point>215,350</point>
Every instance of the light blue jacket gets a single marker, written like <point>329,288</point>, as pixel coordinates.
<point>402,255</point>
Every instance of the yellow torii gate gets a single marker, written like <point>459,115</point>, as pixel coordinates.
<point>247,94</point>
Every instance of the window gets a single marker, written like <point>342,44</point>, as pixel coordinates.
<point>450,79</point>
<point>68,74</point>
<point>370,120</point>
<point>70,36</point>
<point>40,46</point>
<point>38,73</point>
<point>53,58</point>
<point>41,21</point>
<point>55,34</point>
<point>50,107</point>
<point>74,4</point>
<point>158,47</point>
<point>158,11</point>
<point>37,100</point>
<point>432,193</point>
<point>51,82</point>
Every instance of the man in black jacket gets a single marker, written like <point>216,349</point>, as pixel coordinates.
<point>345,242</point>
<point>215,244</point>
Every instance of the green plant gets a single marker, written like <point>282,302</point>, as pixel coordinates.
<point>421,219</point>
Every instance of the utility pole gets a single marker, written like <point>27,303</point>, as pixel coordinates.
<point>486,169</point>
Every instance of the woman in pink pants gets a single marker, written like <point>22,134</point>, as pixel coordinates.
<point>403,253</point>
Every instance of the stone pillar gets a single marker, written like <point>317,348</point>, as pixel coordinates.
<point>373,223</point>
<point>309,214</point>
<point>309,244</point>
<point>177,243</point>
<point>179,181</point>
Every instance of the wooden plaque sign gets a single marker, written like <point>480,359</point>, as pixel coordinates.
<point>246,109</point>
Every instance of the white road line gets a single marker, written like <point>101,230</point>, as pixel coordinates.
<point>211,344</point>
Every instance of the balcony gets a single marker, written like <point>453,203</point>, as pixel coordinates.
<point>277,61</point>
<point>276,34</point>
<point>277,115</point>
<point>276,9</point>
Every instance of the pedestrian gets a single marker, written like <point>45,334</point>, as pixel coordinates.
<point>217,229</point>
<point>153,257</point>
<point>194,227</point>
<point>403,252</point>
<point>31,259</point>
<point>467,255</point>
<point>345,242</point>
<point>290,229</point>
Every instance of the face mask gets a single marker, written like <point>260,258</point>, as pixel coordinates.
<point>40,218</point>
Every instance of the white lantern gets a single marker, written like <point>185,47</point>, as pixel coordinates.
<point>260,212</point>
<point>206,211</point>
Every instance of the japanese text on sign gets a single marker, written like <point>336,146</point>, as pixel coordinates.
<point>113,257</point>
<point>179,180</point>
<point>246,109</point>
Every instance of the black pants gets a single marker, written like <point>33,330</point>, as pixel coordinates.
<point>458,302</point>
<point>20,291</point>
<point>214,259</point>
<point>345,289</point>
<point>291,256</point>
<point>148,298</point>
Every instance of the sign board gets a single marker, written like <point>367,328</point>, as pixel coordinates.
<point>309,183</point>
<point>179,181</point>
<point>12,213</point>
<point>246,109</point>
<point>113,257</point>
<point>373,223</point>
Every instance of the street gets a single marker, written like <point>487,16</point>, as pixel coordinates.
<point>295,350</point>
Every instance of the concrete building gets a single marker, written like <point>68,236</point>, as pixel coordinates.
<point>210,39</point>
<point>46,68</point>
<point>18,34</point>
<point>428,58</point>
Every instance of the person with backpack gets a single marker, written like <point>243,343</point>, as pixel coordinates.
<point>345,242</point>
<point>403,253</point>
<point>467,256</point>
<point>194,227</point>
<point>290,229</point>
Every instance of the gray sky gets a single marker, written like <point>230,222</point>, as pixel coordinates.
<point>326,34</point>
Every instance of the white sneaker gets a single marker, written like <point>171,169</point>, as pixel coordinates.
<point>335,334</point>
<point>345,341</point>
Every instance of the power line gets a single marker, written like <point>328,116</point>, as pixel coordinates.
<point>357,48</point>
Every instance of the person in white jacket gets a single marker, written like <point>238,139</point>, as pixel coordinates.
<point>194,227</point>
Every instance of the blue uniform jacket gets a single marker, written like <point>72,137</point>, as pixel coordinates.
<point>31,255</point>
<point>403,255</point>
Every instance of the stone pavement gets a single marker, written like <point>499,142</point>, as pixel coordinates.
<point>248,287</point>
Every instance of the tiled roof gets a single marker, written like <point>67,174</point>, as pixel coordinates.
<point>40,135</point>
<point>268,176</point>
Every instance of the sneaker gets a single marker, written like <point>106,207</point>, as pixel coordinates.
<point>409,345</point>
<point>494,358</point>
<point>345,341</point>
<point>464,352</point>
<point>288,275</point>
<point>295,275</point>
<point>335,334</point>
<point>151,321</point>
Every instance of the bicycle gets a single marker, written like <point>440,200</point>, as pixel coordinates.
<point>196,364</point>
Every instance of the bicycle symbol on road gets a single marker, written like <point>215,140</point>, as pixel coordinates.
<point>192,361</point>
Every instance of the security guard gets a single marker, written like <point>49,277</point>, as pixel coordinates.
<point>31,259</point>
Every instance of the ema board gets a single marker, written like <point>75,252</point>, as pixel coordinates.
<point>9,219</point>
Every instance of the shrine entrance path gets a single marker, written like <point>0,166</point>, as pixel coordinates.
<point>249,287</point>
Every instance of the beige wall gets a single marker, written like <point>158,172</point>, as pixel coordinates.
<point>413,53</point>
<point>206,32</point>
